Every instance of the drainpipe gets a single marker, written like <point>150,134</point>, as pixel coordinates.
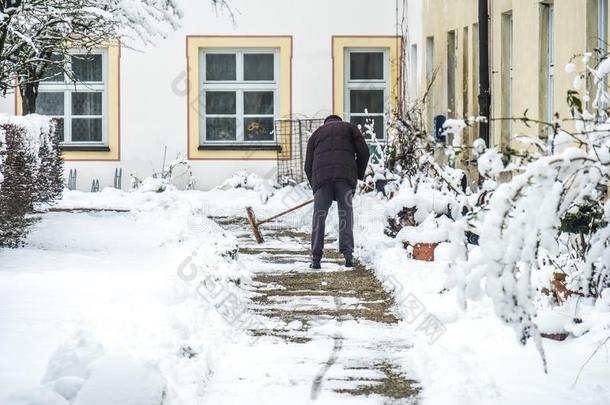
<point>484,90</point>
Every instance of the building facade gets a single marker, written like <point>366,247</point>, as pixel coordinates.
<point>531,42</point>
<point>212,90</point>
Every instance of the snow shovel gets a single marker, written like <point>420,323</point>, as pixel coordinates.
<point>254,224</point>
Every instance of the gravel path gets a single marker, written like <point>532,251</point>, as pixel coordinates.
<point>322,336</point>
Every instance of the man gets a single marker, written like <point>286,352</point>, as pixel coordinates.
<point>337,156</point>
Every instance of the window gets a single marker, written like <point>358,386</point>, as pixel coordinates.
<point>547,61</point>
<point>239,96</point>
<point>507,76</point>
<point>430,72</point>
<point>465,72</point>
<point>79,107</point>
<point>366,90</point>
<point>547,64</point>
<point>451,72</point>
<point>475,76</point>
<point>414,73</point>
<point>602,24</point>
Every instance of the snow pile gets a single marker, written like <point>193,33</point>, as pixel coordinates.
<point>249,181</point>
<point>38,130</point>
<point>431,230</point>
<point>490,163</point>
<point>455,128</point>
<point>153,307</point>
<point>427,200</point>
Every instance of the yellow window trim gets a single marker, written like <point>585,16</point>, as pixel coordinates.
<point>193,45</point>
<point>114,137</point>
<point>340,43</point>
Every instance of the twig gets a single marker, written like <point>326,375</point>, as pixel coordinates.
<point>599,346</point>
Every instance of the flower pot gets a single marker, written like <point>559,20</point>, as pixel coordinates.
<point>423,251</point>
<point>560,291</point>
<point>560,337</point>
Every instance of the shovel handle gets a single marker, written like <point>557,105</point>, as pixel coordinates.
<point>264,221</point>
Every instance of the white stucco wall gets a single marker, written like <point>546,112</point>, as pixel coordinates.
<point>153,102</point>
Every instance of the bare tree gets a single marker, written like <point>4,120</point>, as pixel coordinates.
<point>37,35</point>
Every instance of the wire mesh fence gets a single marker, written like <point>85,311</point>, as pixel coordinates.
<point>292,141</point>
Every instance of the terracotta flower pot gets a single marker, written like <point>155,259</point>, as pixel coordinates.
<point>561,292</point>
<point>423,251</point>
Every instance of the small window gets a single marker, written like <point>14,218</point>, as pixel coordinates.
<point>87,68</point>
<point>258,66</point>
<point>366,90</point>
<point>366,66</point>
<point>239,97</point>
<point>219,67</point>
<point>76,101</point>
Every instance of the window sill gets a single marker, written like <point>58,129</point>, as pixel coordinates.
<point>85,148</point>
<point>239,147</point>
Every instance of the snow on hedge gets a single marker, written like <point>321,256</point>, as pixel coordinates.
<point>38,130</point>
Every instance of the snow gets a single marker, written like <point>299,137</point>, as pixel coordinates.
<point>37,130</point>
<point>119,379</point>
<point>477,359</point>
<point>116,298</point>
<point>603,69</point>
<point>431,230</point>
<point>72,306</point>
<point>490,163</point>
<point>456,128</point>
<point>427,200</point>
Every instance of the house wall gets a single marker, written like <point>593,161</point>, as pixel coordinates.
<point>153,80</point>
<point>570,38</point>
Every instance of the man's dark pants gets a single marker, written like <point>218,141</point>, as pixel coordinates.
<point>342,192</point>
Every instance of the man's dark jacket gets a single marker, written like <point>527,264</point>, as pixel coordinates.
<point>336,151</point>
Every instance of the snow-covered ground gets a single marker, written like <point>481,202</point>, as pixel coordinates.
<point>477,359</point>
<point>106,299</point>
<point>101,297</point>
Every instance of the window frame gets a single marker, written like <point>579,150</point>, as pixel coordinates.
<point>68,88</point>
<point>551,62</point>
<point>602,24</point>
<point>367,84</point>
<point>239,86</point>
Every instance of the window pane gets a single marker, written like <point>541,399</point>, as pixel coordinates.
<point>258,129</point>
<point>370,100</point>
<point>220,66</point>
<point>54,72</point>
<point>87,130</point>
<point>87,103</point>
<point>51,103</point>
<point>87,68</point>
<point>220,102</point>
<point>59,128</point>
<point>258,102</point>
<point>378,127</point>
<point>220,129</point>
<point>258,66</point>
<point>366,65</point>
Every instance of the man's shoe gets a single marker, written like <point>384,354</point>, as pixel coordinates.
<point>349,262</point>
<point>315,264</point>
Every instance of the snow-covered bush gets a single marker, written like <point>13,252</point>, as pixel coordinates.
<point>31,172</point>
<point>177,175</point>
<point>249,181</point>
<point>551,218</point>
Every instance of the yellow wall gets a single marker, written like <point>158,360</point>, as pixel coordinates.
<point>114,112</point>
<point>340,43</point>
<point>194,44</point>
<point>570,38</point>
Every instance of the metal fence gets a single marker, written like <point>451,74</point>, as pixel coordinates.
<point>292,136</point>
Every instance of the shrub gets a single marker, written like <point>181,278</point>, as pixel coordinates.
<point>31,173</point>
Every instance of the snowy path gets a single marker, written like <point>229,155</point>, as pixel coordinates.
<point>326,336</point>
